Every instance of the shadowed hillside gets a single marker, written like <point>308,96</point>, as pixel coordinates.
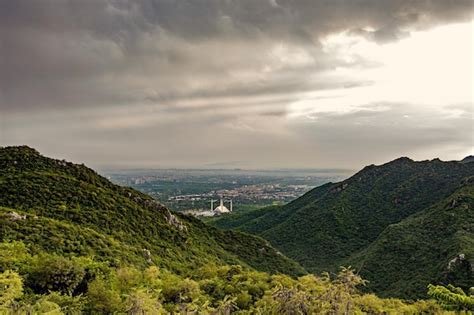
<point>435,245</point>
<point>337,223</point>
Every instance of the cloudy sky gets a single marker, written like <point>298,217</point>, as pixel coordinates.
<point>238,83</point>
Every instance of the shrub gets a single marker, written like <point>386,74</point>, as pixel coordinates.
<point>102,299</point>
<point>69,304</point>
<point>11,288</point>
<point>141,302</point>
<point>54,273</point>
<point>12,255</point>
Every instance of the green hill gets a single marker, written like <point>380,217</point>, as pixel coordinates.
<point>73,243</point>
<point>68,209</point>
<point>342,223</point>
<point>435,245</point>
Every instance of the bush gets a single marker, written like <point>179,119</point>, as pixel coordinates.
<point>141,302</point>
<point>54,273</point>
<point>102,299</point>
<point>68,304</point>
<point>12,255</point>
<point>11,288</point>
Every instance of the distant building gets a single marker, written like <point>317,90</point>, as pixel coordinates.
<point>221,208</point>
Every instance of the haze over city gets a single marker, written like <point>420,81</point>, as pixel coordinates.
<point>249,84</point>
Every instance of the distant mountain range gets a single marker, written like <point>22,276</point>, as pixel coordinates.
<point>68,209</point>
<point>402,225</point>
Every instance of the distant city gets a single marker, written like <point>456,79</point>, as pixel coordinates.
<point>192,190</point>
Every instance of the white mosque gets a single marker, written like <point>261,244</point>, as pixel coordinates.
<point>221,208</point>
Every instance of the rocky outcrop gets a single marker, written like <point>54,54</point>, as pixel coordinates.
<point>461,271</point>
<point>13,216</point>
<point>339,188</point>
<point>459,261</point>
<point>174,221</point>
<point>147,255</point>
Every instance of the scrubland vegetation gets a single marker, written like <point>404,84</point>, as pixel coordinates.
<point>53,284</point>
<point>71,242</point>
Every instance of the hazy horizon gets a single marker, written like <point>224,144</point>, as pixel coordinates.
<point>126,167</point>
<point>273,84</point>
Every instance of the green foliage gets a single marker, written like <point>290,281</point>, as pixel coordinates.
<point>213,289</point>
<point>435,245</point>
<point>399,224</point>
<point>11,254</point>
<point>72,242</point>
<point>11,288</point>
<point>43,306</point>
<point>54,273</point>
<point>67,303</point>
<point>451,298</point>
<point>371,304</point>
<point>68,209</point>
<point>102,299</point>
<point>139,301</point>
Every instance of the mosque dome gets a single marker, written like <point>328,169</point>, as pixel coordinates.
<point>221,209</point>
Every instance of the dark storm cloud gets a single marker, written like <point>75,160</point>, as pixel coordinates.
<point>97,53</point>
<point>140,81</point>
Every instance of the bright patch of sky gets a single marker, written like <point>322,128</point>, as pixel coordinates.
<point>429,68</point>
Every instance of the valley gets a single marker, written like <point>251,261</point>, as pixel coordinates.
<point>74,242</point>
<point>193,189</point>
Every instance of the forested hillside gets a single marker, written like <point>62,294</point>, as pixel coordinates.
<point>435,245</point>
<point>68,209</point>
<point>72,242</point>
<point>348,223</point>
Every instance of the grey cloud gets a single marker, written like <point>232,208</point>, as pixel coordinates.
<point>379,132</point>
<point>75,53</point>
<point>375,134</point>
<point>79,76</point>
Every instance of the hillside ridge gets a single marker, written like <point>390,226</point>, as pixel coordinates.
<point>329,225</point>
<point>69,205</point>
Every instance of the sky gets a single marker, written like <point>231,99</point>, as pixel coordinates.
<point>238,83</point>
